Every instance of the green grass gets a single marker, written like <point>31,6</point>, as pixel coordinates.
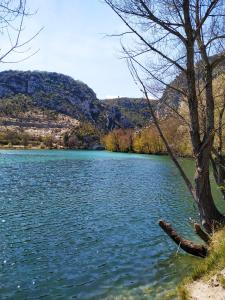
<point>221,280</point>
<point>215,261</point>
<point>170,295</point>
<point>212,265</point>
<point>182,291</point>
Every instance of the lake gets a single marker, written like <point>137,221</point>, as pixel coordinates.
<point>83,225</point>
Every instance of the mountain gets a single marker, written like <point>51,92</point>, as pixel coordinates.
<point>53,91</point>
<point>172,97</point>
<point>50,104</point>
<point>134,111</point>
<point>73,98</point>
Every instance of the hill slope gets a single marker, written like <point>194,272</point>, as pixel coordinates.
<point>52,91</point>
<point>43,104</point>
<point>134,111</point>
<point>62,94</point>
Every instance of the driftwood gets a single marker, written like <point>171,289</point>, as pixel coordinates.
<point>186,245</point>
<point>201,233</point>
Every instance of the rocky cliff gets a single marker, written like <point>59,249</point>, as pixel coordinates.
<point>63,94</point>
<point>38,104</point>
<point>134,111</point>
<point>52,91</point>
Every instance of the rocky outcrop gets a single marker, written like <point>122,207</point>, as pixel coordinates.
<point>131,112</point>
<point>171,97</point>
<point>64,95</point>
<point>53,91</point>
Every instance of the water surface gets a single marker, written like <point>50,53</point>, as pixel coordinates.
<point>83,225</point>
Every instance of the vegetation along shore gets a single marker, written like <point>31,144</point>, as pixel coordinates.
<point>113,224</point>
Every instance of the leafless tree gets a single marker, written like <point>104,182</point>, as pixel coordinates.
<point>174,39</point>
<point>12,18</point>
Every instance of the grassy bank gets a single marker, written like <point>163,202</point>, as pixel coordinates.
<point>208,268</point>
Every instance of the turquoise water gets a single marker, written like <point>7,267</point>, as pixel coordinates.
<point>83,225</point>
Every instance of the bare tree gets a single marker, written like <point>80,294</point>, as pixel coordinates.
<point>180,39</point>
<point>12,18</point>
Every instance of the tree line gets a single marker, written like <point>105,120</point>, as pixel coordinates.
<point>148,141</point>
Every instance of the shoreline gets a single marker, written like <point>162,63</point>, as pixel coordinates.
<point>18,147</point>
<point>46,148</point>
<point>212,289</point>
<point>207,281</point>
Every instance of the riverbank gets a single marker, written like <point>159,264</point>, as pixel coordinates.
<point>96,148</point>
<point>41,147</point>
<point>148,141</point>
<point>212,289</point>
<point>208,278</point>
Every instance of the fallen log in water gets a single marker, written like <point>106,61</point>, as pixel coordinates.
<point>187,245</point>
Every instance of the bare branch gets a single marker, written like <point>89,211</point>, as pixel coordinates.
<point>168,148</point>
<point>144,40</point>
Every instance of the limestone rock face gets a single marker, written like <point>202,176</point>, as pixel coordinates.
<point>64,95</point>
<point>51,90</point>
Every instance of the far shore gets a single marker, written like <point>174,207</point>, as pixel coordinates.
<point>20,147</point>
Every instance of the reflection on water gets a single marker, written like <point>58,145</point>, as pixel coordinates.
<point>83,225</point>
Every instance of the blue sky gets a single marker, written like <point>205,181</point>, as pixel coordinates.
<point>74,42</point>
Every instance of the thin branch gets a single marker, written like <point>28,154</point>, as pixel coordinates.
<point>143,40</point>
<point>169,150</point>
<point>152,75</point>
<point>209,10</point>
<point>119,34</point>
<point>153,18</point>
<point>20,60</point>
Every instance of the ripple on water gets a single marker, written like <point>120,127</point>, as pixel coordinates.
<point>83,225</point>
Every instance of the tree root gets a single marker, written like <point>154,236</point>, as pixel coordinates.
<point>187,245</point>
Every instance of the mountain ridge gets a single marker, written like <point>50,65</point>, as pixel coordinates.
<point>29,98</point>
<point>65,95</point>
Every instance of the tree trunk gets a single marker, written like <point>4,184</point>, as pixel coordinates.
<point>210,216</point>
<point>219,173</point>
<point>221,169</point>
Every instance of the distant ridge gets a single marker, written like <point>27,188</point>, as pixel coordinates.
<point>62,94</point>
